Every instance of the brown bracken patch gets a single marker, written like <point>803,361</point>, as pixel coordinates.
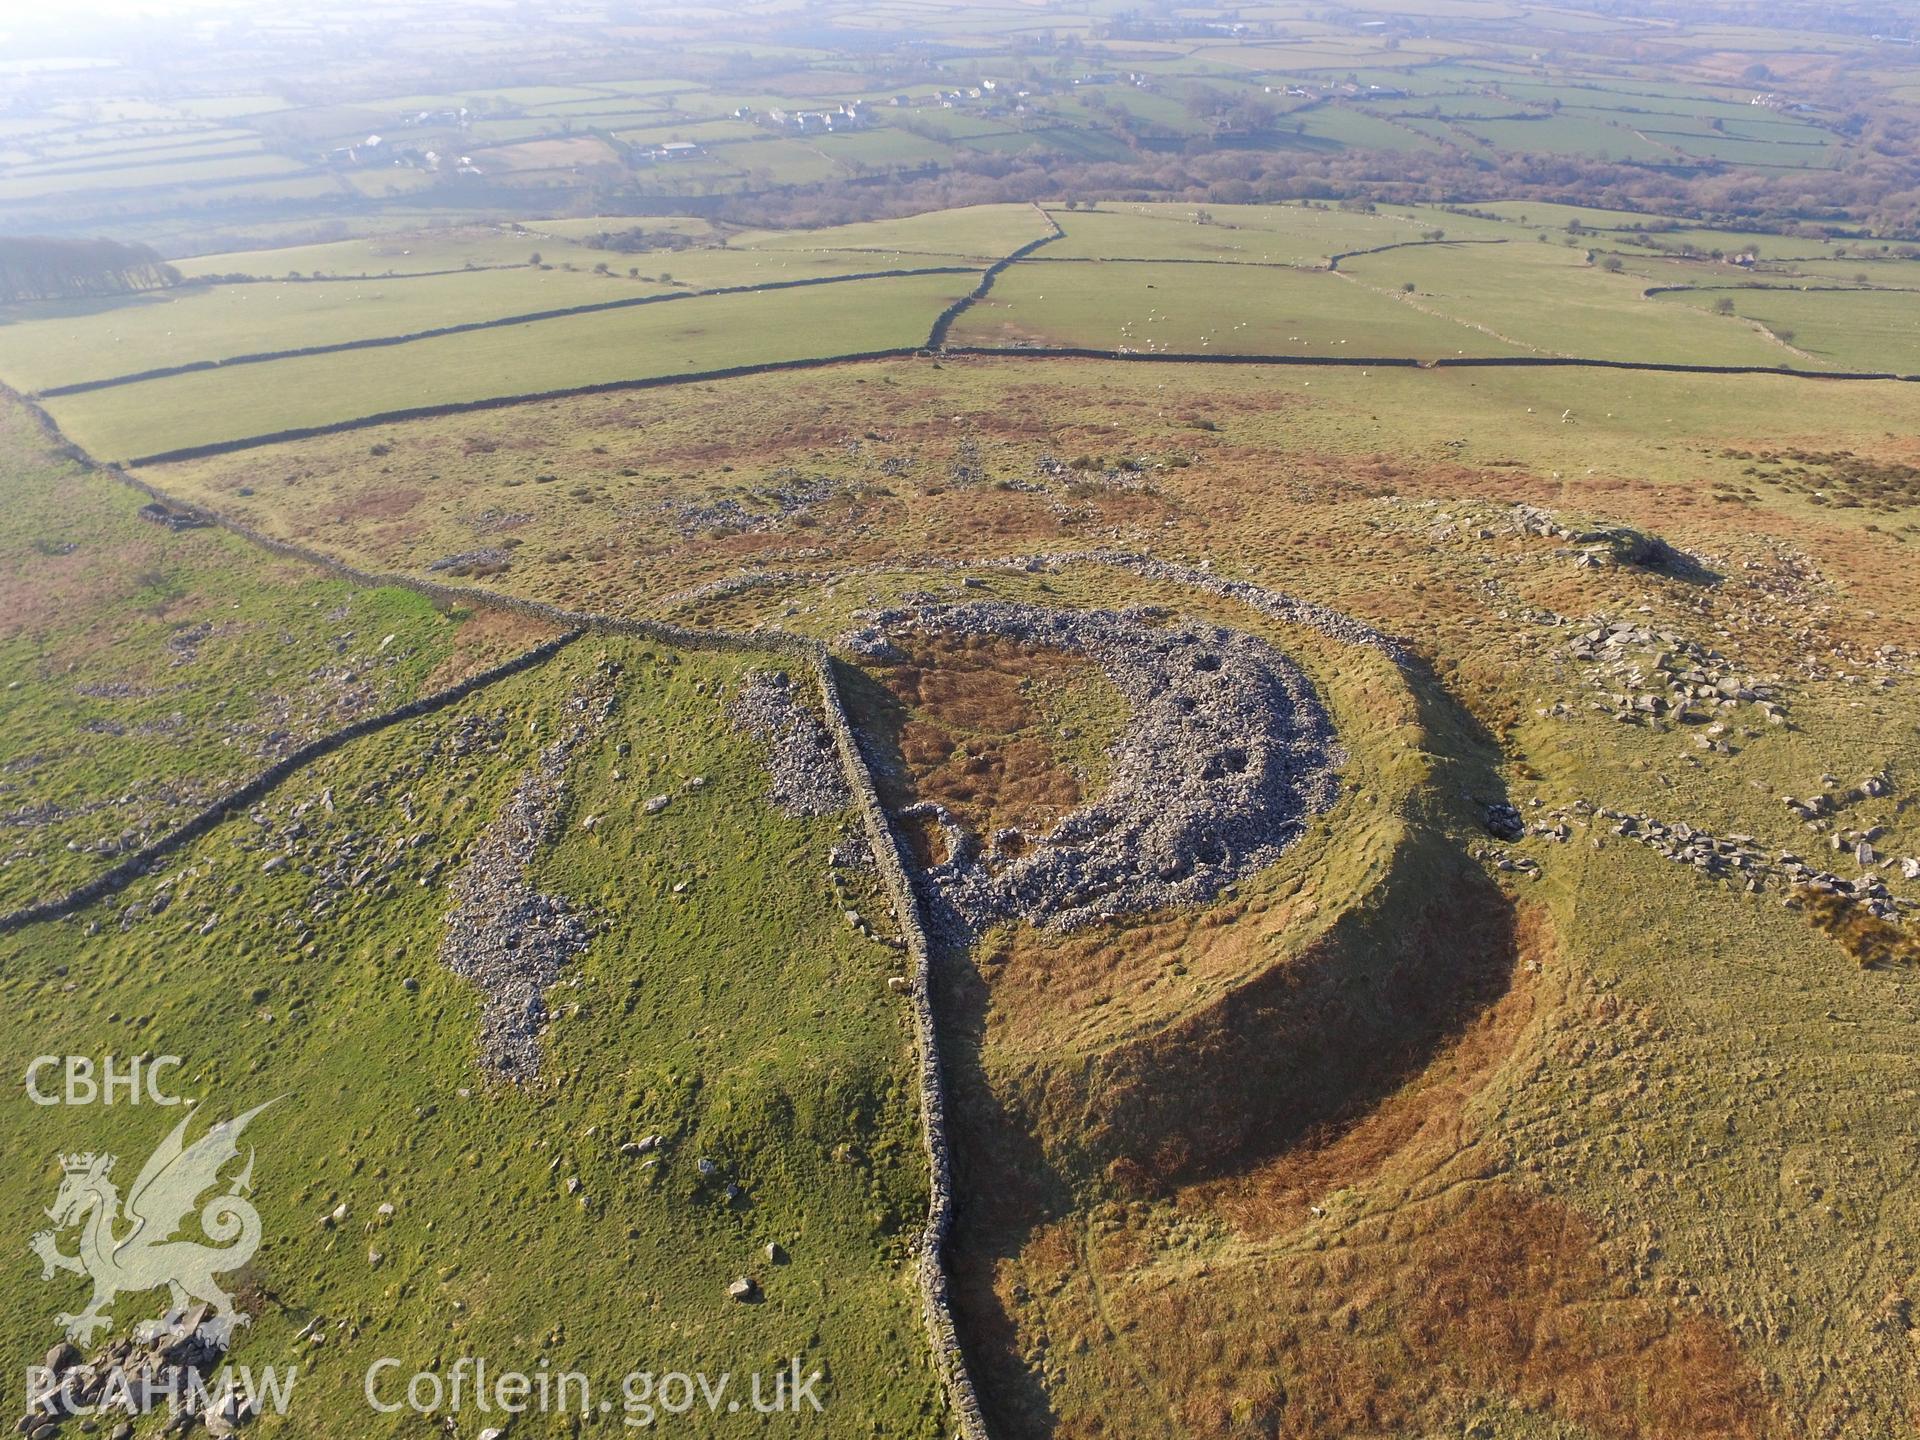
<point>972,734</point>
<point>485,639</point>
<point>1453,1290</point>
<point>1487,1294</point>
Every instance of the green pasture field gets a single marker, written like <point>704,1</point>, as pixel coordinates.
<point>1162,109</point>
<point>108,150</point>
<point>118,111</point>
<point>715,267</point>
<point>491,131</point>
<point>1445,107</point>
<point>405,252</point>
<point>1538,213</point>
<point>212,170</point>
<point>1627,107</point>
<point>1849,330</point>
<point>1269,234</point>
<point>585,228</point>
<point>60,342</point>
<point>1760,153</point>
<point>700,132</point>
<point>1557,135</point>
<point>389,181</point>
<point>1652,235</point>
<point>1547,298</point>
<point>230,107</point>
<point>1063,140</point>
<point>1438,130</point>
<point>882,146</point>
<point>985,232</point>
<point>612,102</point>
<point>953,125</point>
<point>1356,129</point>
<point>1222,308</point>
<point>528,96</point>
<point>692,335</point>
<point>772,158</point>
<point>1891,271</point>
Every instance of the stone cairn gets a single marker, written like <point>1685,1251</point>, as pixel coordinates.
<point>1227,753</point>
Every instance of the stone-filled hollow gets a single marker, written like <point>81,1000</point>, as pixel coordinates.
<point>1204,788</point>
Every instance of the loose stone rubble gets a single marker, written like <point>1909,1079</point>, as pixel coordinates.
<point>800,761</point>
<point>164,1368</point>
<point>492,557</point>
<point>506,936</point>
<point>1226,753</point>
<point>1742,860</point>
<point>1661,677</point>
<point>786,495</point>
<point>1597,546</point>
<point>1274,604</point>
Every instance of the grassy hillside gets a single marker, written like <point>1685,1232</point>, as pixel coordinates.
<point>723,1004</point>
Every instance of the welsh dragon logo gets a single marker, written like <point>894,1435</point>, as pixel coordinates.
<point>131,1248</point>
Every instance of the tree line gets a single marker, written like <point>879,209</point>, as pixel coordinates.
<point>38,267</point>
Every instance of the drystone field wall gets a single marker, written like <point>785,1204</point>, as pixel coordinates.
<point>504,402</point>
<point>684,636</point>
<point>890,856</point>
<point>943,322</point>
<point>992,352</point>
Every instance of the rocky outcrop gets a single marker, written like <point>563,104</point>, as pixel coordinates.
<point>1653,677</point>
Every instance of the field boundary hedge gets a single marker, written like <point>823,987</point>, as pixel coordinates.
<point>241,277</point>
<point>531,317</point>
